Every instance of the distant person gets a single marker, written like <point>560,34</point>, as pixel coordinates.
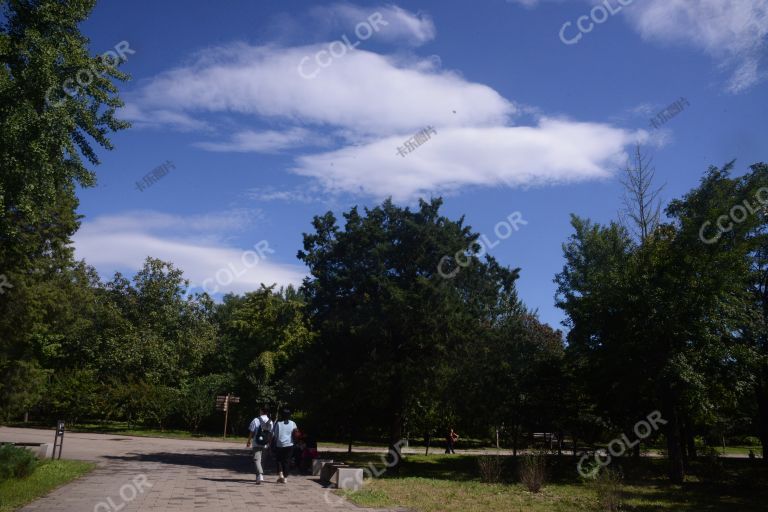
<point>284,432</point>
<point>260,432</point>
<point>450,441</point>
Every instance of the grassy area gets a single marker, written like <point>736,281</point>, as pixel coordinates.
<point>49,475</point>
<point>451,484</point>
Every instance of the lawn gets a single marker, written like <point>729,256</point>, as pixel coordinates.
<point>451,484</point>
<point>49,475</point>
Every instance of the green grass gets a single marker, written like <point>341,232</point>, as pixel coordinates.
<point>451,484</point>
<point>49,475</point>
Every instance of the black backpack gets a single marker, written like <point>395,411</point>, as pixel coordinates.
<point>262,436</point>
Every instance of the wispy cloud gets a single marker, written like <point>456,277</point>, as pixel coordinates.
<point>267,141</point>
<point>370,103</point>
<point>732,31</point>
<point>402,26</point>
<point>555,151</point>
<point>195,243</point>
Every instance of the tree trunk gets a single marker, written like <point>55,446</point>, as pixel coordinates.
<point>672,431</point>
<point>762,411</point>
<point>683,444</point>
<point>514,441</point>
<point>395,436</point>
<point>427,441</point>
<point>690,441</point>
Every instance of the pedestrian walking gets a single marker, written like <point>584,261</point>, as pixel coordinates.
<point>285,431</point>
<point>260,435</point>
<point>450,441</point>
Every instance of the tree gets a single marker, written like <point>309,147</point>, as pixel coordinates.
<point>642,205</point>
<point>43,144</point>
<point>389,324</point>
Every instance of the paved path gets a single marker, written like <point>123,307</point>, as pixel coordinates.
<point>157,475</point>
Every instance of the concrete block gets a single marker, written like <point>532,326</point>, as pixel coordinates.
<point>328,469</point>
<point>348,478</point>
<point>317,465</point>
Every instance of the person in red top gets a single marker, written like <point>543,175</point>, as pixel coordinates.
<point>450,441</point>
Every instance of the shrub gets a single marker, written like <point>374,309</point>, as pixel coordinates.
<point>533,471</point>
<point>490,468</point>
<point>16,462</point>
<point>711,467</point>
<point>608,486</point>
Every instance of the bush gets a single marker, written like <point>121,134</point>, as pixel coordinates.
<point>16,462</point>
<point>490,468</point>
<point>608,485</point>
<point>533,471</point>
<point>711,467</point>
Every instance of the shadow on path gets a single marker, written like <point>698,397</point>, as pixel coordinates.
<point>237,460</point>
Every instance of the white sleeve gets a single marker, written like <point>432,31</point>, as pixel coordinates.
<point>254,425</point>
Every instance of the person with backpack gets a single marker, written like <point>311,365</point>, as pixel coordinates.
<point>260,432</point>
<point>285,432</point>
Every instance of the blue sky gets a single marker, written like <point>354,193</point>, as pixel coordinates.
<point>264,133</point>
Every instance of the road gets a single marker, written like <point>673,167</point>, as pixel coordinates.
<point>157,475</point>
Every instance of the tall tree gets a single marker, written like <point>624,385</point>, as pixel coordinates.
<point>389,324</point>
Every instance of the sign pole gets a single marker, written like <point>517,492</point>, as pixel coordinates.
<point>226,415</point>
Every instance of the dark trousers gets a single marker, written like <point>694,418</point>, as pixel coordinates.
<point>283,456</point>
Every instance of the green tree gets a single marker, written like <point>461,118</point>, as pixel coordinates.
<point>389,324</point>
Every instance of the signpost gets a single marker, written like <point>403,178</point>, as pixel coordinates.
<point>222,404</point>
<point>59,439</point>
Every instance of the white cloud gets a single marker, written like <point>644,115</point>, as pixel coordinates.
<point>268,141</point>
<point>555,151</point>
<point>398,25</point>
<point>363,92</point>
<point>193,243</point>
<point>732,31</point>
<point>373,103</point>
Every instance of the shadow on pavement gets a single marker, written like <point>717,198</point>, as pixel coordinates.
<point>237,460</point>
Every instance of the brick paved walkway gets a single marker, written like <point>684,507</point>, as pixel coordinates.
<point>180,476</point>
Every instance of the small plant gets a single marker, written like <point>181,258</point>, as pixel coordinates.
<point>608,486</point>
<point>16,462</point>
<point>491,467</point>
<point>533,471</point>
